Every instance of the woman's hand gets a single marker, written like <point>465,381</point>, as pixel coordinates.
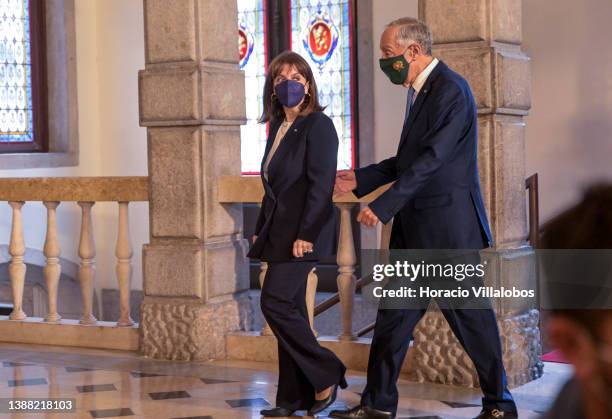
<point>300,247</point>
<point>253,238</point>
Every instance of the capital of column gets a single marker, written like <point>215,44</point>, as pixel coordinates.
<point>178,94</point>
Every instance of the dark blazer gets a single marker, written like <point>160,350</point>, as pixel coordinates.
<point>436,198</point>
<point>298,195</point>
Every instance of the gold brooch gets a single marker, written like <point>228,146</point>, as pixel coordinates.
<point>398,66</point>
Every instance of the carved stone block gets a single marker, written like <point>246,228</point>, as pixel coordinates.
<point>180,330</point>
<point>170,30</point>
<point>225,270</point>
<point>513,82</point>
<point>501,160</point>
<point>174,270</point>
<point>209,93</point>
<point>220,146</point>
<point>214,37</point>
<point>438,357</point>
<point>175,182</point>
<point>222,94</point>
<point>499,78</point>
<point>169,96</point>
<point>473,20</point>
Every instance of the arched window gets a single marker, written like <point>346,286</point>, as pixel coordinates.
<point>23,99</point>
<point>322,31</point>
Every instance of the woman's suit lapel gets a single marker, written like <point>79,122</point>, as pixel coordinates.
<point>274,127</point>
<point>294,131</point>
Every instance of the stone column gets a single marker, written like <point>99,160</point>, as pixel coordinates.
<point>191,95</point>
<point>481,39</point>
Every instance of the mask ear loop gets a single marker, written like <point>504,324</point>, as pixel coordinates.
<point>404,53</point>
<point>306,101</point>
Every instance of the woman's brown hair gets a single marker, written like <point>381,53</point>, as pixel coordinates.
<point>272,109</point>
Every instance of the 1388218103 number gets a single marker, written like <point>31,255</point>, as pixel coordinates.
<point>13,405</point>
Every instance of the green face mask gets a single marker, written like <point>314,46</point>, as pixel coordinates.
<point>396,68</point>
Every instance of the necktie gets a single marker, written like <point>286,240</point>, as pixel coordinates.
<point>409,101</point>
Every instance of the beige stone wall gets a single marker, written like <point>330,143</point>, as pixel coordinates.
<point>569,128</point>
<point>387,96</point>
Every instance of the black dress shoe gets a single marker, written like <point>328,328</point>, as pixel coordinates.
<point>361,412</point>
<point>321,405</point>
<point>496,414</point>
<point>277,412</point>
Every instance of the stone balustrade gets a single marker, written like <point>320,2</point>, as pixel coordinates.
<point>85,192</point>
<point>248,189</point>
<point>518,329</point>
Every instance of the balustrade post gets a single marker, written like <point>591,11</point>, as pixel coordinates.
<point>123,252</point>
<point>17,269</point>
<point>52,269</point>
<point>87,253</point>
<point>385,235</point>
<point>265,330</point>
<point>346,280</point>
<point>311,293</point>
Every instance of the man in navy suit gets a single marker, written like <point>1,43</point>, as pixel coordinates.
<point>436,203</point>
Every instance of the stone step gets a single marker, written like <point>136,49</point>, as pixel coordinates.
<point>252,346</point>
<point>327,323</point>
<point>68,332</point>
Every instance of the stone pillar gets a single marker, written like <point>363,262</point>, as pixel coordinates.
<point>191,95</point>
<point>481,39</point>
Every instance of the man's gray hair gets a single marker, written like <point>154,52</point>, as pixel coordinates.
<point>411,31</point>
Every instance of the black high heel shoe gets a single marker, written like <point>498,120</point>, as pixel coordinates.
<point>321,405</point>
<point>277,412</point>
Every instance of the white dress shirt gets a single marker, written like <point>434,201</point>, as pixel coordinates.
<point>420,80</point>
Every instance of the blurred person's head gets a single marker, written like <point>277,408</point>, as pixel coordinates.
<point>584,336</point>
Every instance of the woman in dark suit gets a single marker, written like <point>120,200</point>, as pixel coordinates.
<point>294,229</point>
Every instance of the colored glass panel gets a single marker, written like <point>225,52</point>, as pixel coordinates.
<point>321,32</point>
<point>253,58</point>
<point>15,72</point>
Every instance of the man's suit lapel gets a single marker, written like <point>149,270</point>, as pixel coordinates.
<point>416,107</point>
<point>418,104</point>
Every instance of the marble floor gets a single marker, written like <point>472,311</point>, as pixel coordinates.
<point>104,384</point>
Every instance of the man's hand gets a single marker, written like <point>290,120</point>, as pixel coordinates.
<point>367,217</point>
<point>300,247</point>
<point>345,182</point>
<point>254,238</point>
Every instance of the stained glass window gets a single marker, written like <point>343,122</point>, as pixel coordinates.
<point>253,60</point>
<point>321,32</point>
<point>16,111</point>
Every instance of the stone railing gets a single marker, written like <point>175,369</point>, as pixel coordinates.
<point>248,189</point>
<point>85,192</point>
